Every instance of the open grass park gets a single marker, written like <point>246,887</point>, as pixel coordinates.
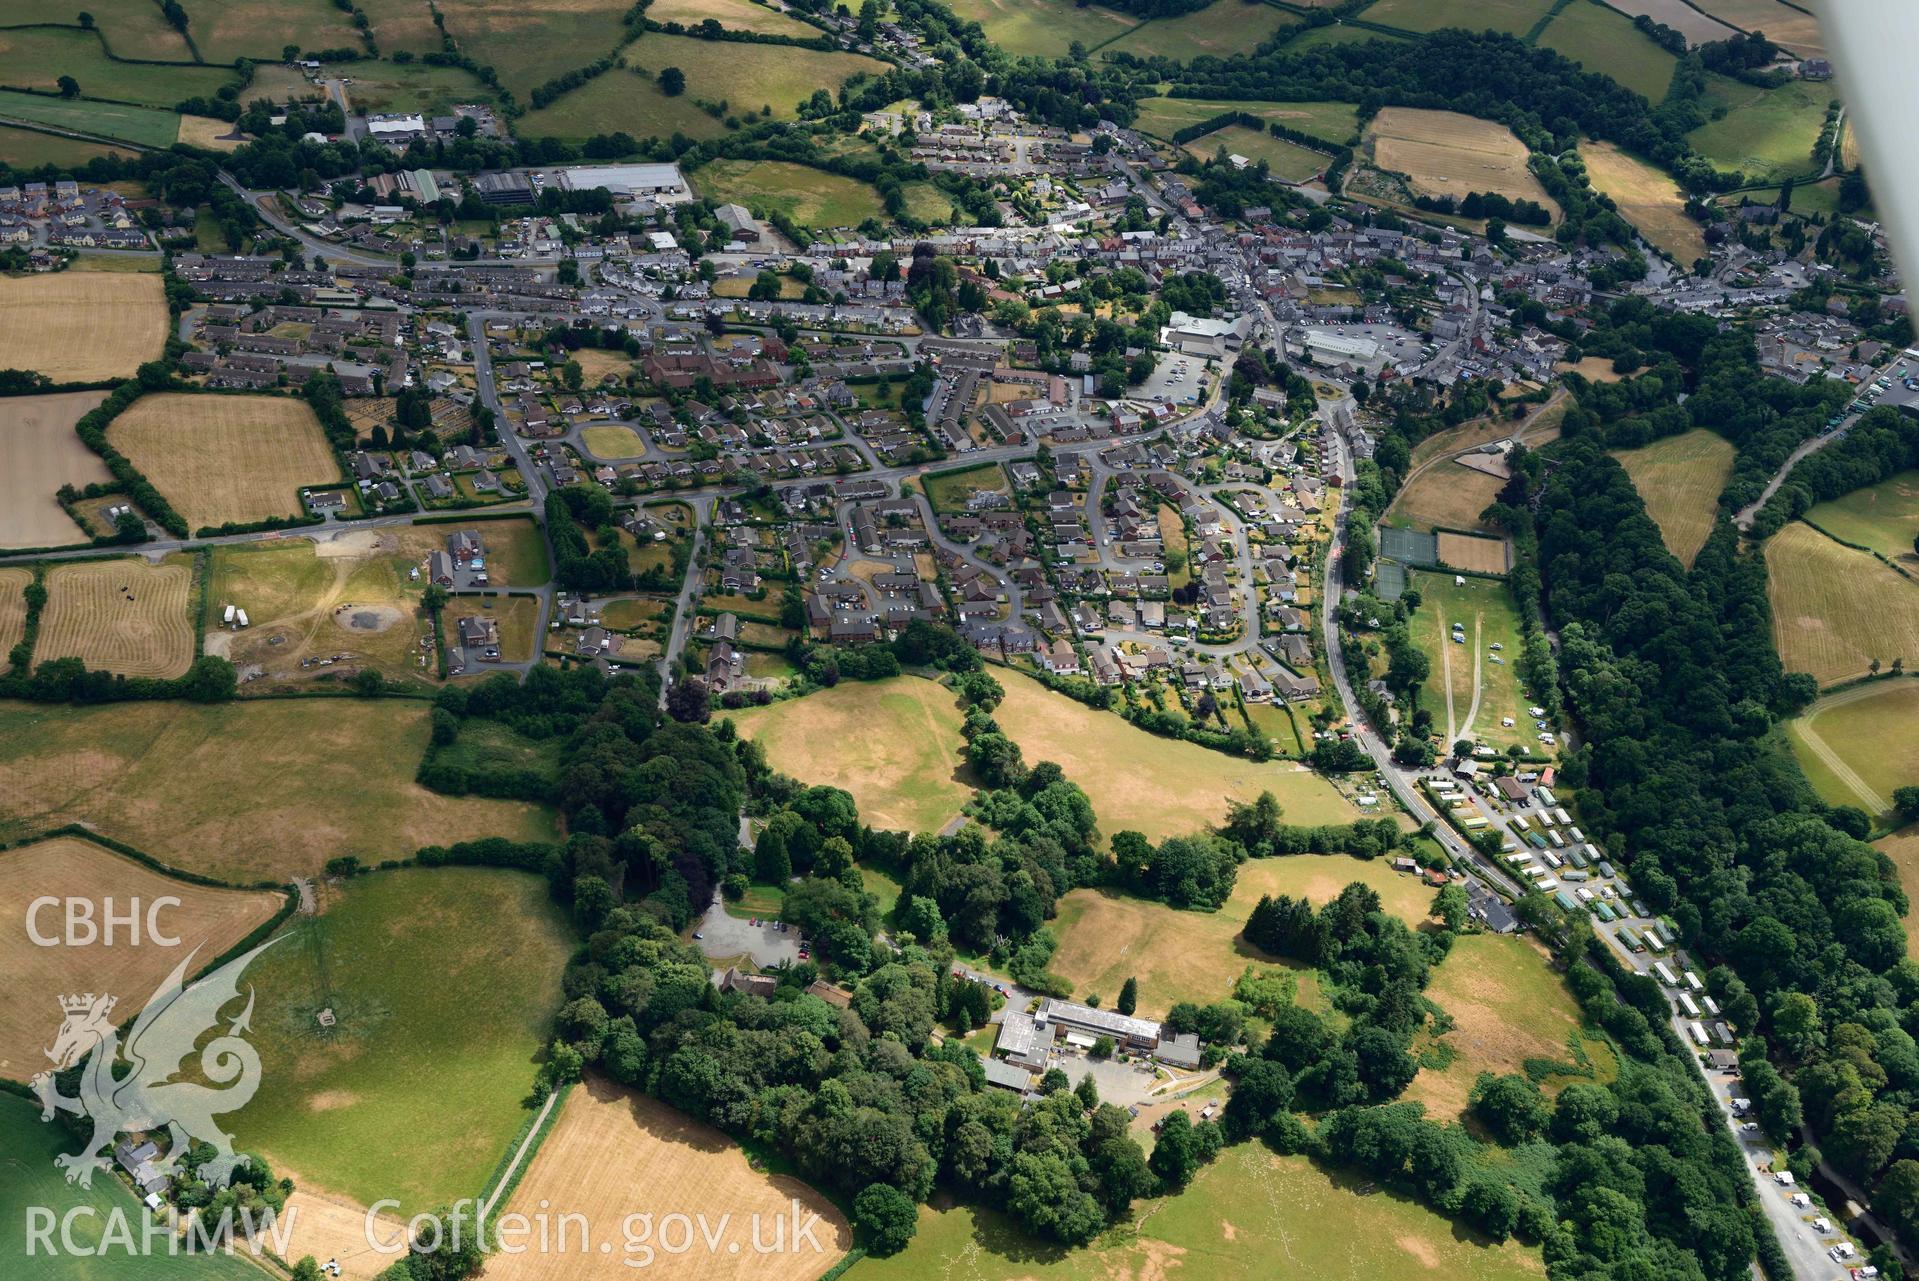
<point>1860,744</point>
<point>242,792</point>
<point>441,982</point>
<point>1835,609</point>
<point>1473,687</point>
<point>1679,478</point>
<point>1249,1215</point>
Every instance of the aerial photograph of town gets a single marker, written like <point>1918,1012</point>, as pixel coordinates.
<point>956,640</point>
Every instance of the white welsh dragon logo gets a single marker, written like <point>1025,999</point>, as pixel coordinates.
<point>146,1097</point>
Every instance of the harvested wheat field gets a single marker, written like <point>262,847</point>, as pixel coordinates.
<point>1679,479</point>
<point>13,607</point>
<point>331,1227</point>
<point>1835,610</point>
<point>221,459</point>
<point>1508,1006</point>
<point>123,616</point>
<point>242,792</point>
<point>1648,198</point>
<point>616,1153</point>
<point>82,327</point>
<point>39,452</point>
<point>1474,555</point>
<point>1443,153</point>
<point>207,918</point>
<point>212,134</point>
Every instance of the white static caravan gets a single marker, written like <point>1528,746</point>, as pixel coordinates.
<point>227,618</point>
<point>1692,981</point>
<point>1690,1006</point>
<point>1664,972</point>
<point>1698,1031</point>
<point>1559,812</point>
<point>240,616</point>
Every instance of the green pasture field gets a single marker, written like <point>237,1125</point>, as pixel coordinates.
<point>241,791</point>
<point>928,203</point>
<point>1285,160</point>
<point>529,45</point>
<point>1274,723</point>
<point>623,101</point>
<point>1679,478</point>
<point>133,28</point>
<point>896,748</point>
<point>1220,30</point>
<point>1514,17</point>
<point>1334,121</point>
<point>29,1179</point>
<point>401,24</point>
<point>1320,37</point>
<point>1765,133</point>
<point>949,491</point>
<point>1480,700</point>
<point>1884,517</point>
<point>1835,610</point>
<point>750,76</point>
<point>1107,936</point>
<point>36,58</point>
<point>144,125</point>
<point>489,745</point>
<point>811,197</point>
<point>1807,198</point>
<point>29,149</point>
<point>258,29</point>
<point>416,87</point>
<point>1508,1006</point>
<point>1140,781</point>
<point>1045,27</point>
<point>1857,746</point>
<point>1248,1216</point>
<point>1605,40</point>
<point>442,982</point>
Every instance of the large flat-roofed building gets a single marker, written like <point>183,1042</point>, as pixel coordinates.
<point>1139,1036</point>
<point>1007,1076</point>
<point>663,184</point>
<point>1023,1041</point>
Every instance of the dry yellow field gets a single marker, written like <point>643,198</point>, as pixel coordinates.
<point>615,1154</point>
<point>1679,478</point>
<point>1786,25</point>
<point>332,1227</point>
<point>13,607</point>
<point>205,131</point>
<point>1106,937</point>
<point>1444,153</point>
<point>1648,198</point>
<point>736,15</point>
<point>39,452</point>
<point>64,867</point>
<point>1834,610</point>
<point>221,459</point>
<point>124,616</point>
<point>82,326</point>
<point>1902,847</point>
<point>1474,555</point>
<point>1448,495</point>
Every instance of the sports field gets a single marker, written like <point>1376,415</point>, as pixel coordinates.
<point>1142,782</point>
<point>125,616</point>
<point>358,610</point>
<point>1884,517</point>
<point>1473,554</point>
<point>1679,478</point>
<point>1765,133</point>
<point>1834,609</point>
<point>1515,17</point>
<point>1790,25</point>
<point>441,982</point>
<point>65,867</point>
<point>1508,1006</point>
<point>1248,1216</point>
<point>1857,746</point>
<point>1045,27</point>
<point>1286,160</point>
<point>1902,847</point>
<point>29,149</point>
<point>221,459</point>
<point>241,791</point>
<point>29,1179</point>
<point>81,326</point>
<point>13,607</point>
<point>1220,30</point>
<point>1333,121</point>
<point>672,1168</point>
<point>1443,153</point>
<point>735,15</point>
<point>257,29</point>
<point>1648,198</point>
<point>1604,40</point>
<point>36,58</point>
<point>894,744</point>
<point>1472,687</point>
<point>1106,936</point>
<point>621,100</point>
<point>39,452</point>
<point>811,197</point>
